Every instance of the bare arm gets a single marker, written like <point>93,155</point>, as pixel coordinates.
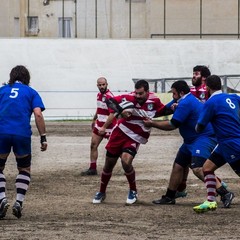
<point>163,125</point>
<point>94,120</point>
<point>107,123</point>
<point>40,123</point>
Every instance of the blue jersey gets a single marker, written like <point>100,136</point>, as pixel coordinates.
<point>222,110</point>
<point>17,102</point>
<point>187,114</point>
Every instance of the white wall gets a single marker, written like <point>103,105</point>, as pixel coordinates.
<point>64,71</point>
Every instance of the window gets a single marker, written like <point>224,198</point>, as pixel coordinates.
<point>65,27</point>
<point>33,26</point>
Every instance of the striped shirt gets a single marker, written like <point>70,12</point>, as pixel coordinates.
<point>103,111</point>
<point>133,126</point>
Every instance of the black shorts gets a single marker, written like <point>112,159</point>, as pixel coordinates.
<point>186,160</point>
<point>219,161</point>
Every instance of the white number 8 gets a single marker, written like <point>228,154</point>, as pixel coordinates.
<point>230,103</point>
<point>14,93</point>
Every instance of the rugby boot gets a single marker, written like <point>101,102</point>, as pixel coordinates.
<point>3,208</point>
<point>205,207</point>
<point>227,199</point>
<point>89,172</point>
<point>99,197</point>
<point>17,210</point>
<point>181,194</point>
<point>132,197</point>
<point>164,200</point>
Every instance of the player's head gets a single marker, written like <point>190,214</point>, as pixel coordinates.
<point>200,73</point>
<point>213,83</point>
<point>102,84</point>
<point>141,91</point>
<point>21,74</point>
<point>179,89</point>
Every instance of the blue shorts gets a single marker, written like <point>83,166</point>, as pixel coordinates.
<point>20,145</point>
<point>229,150</point>
<point>196,153</point>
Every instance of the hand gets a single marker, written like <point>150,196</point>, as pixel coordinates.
<point>174,106</point>
<point>147,122</point>
<point>43,146</point>
<point>126,113</point>
<point>43,141</point>
<point>102,130</point>
<point>93,125</point>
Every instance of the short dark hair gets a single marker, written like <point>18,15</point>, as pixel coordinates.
<point>142,83</point>
<point>21,74</point>
<point>204,70</point>
<point>214,82</point>
<point>181,86</point>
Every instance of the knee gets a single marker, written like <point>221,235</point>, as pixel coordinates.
<point>126,165</point>
<point>24,163</point>
<point>110,162</point>
<point>198,172</point>
<point>177,168</point>
<point>93,145</point>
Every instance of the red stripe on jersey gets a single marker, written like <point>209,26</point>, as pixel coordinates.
<point>133,126</point>
<point>102,109</point>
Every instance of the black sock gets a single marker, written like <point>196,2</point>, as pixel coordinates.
<point>221,191</point>
<point>170,193</point>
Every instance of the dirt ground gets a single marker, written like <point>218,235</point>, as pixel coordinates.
<point>59,205</point>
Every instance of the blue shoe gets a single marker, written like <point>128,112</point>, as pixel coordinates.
<point>132,197</point>
<point>3,208</point>
<point>99,197</point>
<point>181,194</point>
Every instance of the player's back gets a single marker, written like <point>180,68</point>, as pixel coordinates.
<point>187,114</point>
<point>17,102</point>
<point>223,111</point>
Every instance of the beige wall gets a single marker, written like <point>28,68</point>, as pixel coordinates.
<point>113,18</point>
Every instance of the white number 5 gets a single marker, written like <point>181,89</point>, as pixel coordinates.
<point>14,93</point>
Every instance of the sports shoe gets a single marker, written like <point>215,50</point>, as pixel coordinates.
<point>224,184</point>
<point>3,208</point>
<point>89,172</point>
<point>206,206</point>
<point>17,210</point>
<point>164,200</point>
<point>132,197</point>
<point>227,199</point>
<point>99,197</point>
<point>181,194</point>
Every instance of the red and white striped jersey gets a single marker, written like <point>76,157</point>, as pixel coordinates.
<point>103,111</point>
<point>133,126</point>
<point>200,92</point>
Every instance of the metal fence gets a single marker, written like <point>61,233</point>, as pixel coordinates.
<point>230,83</point>
<point>81,105</point>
